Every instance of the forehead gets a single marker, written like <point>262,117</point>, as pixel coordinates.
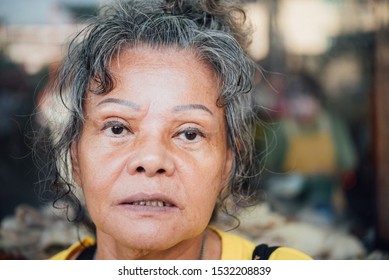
<point>161,58</point>
<point>162,74</point>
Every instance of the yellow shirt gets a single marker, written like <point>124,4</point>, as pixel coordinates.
<point>74,250</point>
<point>234,247</point>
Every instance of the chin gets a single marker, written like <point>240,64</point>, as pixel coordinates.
<point>143,237</point>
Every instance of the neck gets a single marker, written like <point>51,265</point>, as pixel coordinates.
<point>191,249</point>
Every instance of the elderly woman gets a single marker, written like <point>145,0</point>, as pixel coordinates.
<point>157,130</point>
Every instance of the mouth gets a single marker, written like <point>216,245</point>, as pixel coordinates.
<point>152,203</point>
<point>149,202</point>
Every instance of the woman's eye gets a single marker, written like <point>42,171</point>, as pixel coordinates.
<point>191,134</point>
<point>115,129</point>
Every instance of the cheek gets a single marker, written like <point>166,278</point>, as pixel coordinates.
<point>203,187</point>
<point>97,173</point>
<point>200,210</point>
<point>98,163</point>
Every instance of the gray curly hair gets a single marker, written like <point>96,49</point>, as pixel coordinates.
<point>215,30</point>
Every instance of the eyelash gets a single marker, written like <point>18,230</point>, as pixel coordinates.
<point>111,124</point>
<point>197,131</point>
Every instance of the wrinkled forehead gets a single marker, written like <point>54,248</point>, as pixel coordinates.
<point>157,57</point>
<point>167,73</point>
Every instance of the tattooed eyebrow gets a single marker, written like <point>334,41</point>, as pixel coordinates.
<point>120,102</point>
<point>178,108</point>
<point>188,107</point>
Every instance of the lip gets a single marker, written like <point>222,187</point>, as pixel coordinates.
<point>149,197</point>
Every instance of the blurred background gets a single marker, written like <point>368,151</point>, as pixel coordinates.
<point>323,139</point>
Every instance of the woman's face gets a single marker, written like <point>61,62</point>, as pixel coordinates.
<point>153,156</point>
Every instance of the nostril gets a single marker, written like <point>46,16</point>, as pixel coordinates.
<point>140,169</point>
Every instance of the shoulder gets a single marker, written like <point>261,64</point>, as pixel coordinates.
<point>235,247</point>
<point>72,252</point>
<point>264,252</point>
<point>286,253</point>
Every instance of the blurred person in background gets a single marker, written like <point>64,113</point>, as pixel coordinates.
<point>313,156</point>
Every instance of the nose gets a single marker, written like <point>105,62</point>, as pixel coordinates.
<point>152,158</point>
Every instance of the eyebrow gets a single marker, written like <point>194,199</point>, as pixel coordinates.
<point>178,108</point>
<point>120,102</point>
<point>188,107</point>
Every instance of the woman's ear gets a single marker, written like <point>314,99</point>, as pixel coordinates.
<point>75,164</point>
